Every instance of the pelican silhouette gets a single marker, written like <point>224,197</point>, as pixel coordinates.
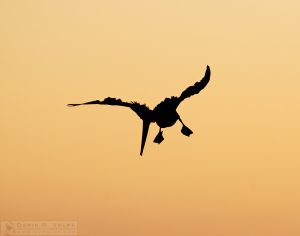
<point>164,114</point>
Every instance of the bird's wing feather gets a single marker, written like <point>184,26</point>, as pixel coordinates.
<point>140,109</point>
<point>197,87</point>
<point>167,104</point>
<point>106,101</point>
<point>173,102</point>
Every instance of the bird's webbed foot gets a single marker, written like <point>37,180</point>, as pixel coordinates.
<point>186,131</point>
<point>159,137</point>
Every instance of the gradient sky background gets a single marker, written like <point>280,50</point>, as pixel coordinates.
<point>237,175</point>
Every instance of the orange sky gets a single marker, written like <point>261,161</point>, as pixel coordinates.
<point>237,175</point>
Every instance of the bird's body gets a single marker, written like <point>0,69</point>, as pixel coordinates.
<point>165,120</point>
<point>164,114</point>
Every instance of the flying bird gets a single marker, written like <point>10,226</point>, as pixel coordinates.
<point>164,114</point>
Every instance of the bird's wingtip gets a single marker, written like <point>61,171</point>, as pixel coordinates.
<point>207,72</point>
<point>72,105</point>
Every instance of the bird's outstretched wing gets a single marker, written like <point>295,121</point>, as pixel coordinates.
<point>197,87</point>
<point>173,102</point>
<point>140,109</point>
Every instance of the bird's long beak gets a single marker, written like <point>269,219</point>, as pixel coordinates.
<point>146,125</point>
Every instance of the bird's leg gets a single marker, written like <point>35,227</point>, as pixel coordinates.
<point>159,138</point>
<point>185,130</point>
